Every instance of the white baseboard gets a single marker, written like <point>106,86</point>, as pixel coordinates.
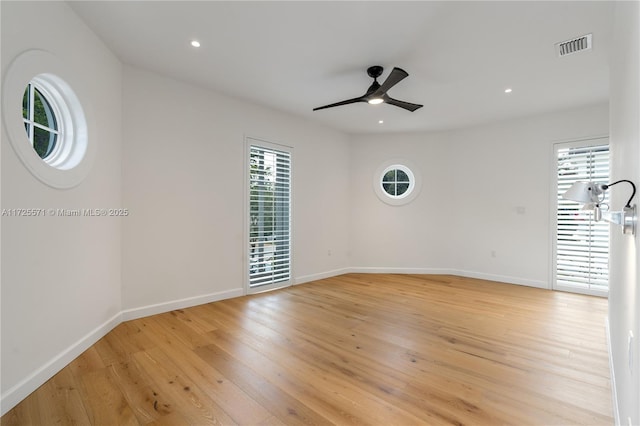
<point>21,390</point>
<point>614,393</point>
<point>444,271</point>
<point>320,276</point>
<point>378,270</point>
<point>502,279</point>
<point>159,308</point>
<point>32,382</point>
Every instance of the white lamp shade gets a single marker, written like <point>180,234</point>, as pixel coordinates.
<point>583,192</point>
<point>597,212</point>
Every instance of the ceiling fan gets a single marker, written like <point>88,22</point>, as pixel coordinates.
<point>377,93</point>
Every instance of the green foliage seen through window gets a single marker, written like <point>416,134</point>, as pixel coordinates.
<point>44,135</point>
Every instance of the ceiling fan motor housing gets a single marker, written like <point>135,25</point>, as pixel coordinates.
<point>375,71</point>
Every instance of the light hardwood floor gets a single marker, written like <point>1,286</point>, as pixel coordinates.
<point>353,349</point>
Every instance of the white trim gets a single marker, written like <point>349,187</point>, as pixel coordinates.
<point>320,276</point>
<point>414,187</point>
<point>503,279</point>
<point>159,308</point>
<point>585,291</point>
<point>60,116</point>
<point>395,167</point>
<point>553,182</point>
<point>36,379</point>
<point>614,393</point>
<point>250,141</point>
<point>71,163</point>
<point>443,271</point>
<point>245,214</point>
<point>553,206</point>
<point>387,270</point>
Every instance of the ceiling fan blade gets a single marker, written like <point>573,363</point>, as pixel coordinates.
<point>396,76</point>
<point>348,101</point>
<point>402,104</point>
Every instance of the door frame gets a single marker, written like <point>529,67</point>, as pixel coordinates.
<point>248,142</point>
<point>589,141</point>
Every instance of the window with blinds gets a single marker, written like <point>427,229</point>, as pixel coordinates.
<point>269,217</point>
<point>582,244</point>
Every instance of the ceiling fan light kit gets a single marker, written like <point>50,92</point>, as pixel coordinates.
<point>377,93</point>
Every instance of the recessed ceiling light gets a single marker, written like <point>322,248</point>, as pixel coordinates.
<point>380,121</point>
<point>195,43</point>
<point>508,90</point>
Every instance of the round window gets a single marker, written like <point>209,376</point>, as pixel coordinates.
<point>396,183</point>
<point>51,137</point>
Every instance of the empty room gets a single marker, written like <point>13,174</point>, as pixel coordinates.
<point>319,212</point>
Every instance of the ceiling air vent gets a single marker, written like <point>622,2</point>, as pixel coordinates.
<point>574,46</point>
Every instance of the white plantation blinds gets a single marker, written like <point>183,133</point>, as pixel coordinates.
<point>582,245</point>
<point>269,216</point>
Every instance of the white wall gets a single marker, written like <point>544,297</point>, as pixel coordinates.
<point>500,169</point>
<point>67,281</point>
<point>173,154</point>
<point>184,173</point>
<point>60,275</point>
<point>474,181</point>
<point>398,238</point>
<point>624,296</point>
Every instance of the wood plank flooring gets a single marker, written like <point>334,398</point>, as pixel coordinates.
<point>352,349</point>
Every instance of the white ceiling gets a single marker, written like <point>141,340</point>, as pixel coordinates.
<point>294,56</point>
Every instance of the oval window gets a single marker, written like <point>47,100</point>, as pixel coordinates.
<point>40,121</point>
<point>51,133</point>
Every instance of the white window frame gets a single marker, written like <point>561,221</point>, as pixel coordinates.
<point>415,182</point>
<point>248,287</point>
<point>71,161</point>
<point>55,110</point>
<point>410,176</point>
<point>590,289</point>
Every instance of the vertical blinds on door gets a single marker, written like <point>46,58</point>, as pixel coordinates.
<point>269,216</point>
<point>582,246</point>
